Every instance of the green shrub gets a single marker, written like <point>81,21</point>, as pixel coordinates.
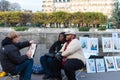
<point>84,29</point>
<point>102,28</point>
<point>20,28</point>
<point>1,24</point>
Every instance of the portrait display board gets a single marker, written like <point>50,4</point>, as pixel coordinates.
<point>89,46</point>
<point>110,44</point>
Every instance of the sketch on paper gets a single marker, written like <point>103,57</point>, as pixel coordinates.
<point>107,44</point>
<point>100,65</point>
<point>117,62</point>
<point>116,45</point>
<point>84,43</point>
<point>91,66</point>
<point>110,64</point>
<point>93,45</point>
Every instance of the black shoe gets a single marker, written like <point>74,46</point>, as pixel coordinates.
<point>58,78</point>
<point>46,77</point>
<point>41,72</point>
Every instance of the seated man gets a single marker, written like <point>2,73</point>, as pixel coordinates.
<point>48,60</point>
<point>11,59</point>
<point>73,57</point>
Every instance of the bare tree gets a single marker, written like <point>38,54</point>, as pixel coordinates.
<point>15,7</point>
<point>4,5</point>
<point>7,6</point>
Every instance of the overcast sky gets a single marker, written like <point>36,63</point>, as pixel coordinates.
<point>34,5</point>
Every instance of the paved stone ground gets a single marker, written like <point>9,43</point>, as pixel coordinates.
<point>90,76</point>
<point>83,76</point>
<point>86,76</point>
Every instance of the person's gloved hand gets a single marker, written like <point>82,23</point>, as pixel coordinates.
<point>58,56</point>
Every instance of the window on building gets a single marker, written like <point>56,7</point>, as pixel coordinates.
<point>55,0</point>
<point>64,0</point>
<point>68,0</point>
<point>60,0</point>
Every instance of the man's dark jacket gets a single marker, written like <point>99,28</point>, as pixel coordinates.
<point>10,55</point>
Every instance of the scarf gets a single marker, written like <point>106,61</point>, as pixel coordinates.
<point>64,58</point>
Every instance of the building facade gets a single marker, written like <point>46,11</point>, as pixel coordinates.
<point>104,6</point>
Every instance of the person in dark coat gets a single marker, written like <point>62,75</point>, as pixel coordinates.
<point>48,62</point>
<point>11,59</point>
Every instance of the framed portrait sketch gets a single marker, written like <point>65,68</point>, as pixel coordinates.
<point>117,62</point>
<point>93,45</point>
<point>100,65</point>
<point>107,44</point>
<point>110,64</point>
<point>84,43</point>
<point>116,45</point>
<point>90,63</point>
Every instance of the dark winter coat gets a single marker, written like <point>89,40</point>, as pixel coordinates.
<point>56,47</point>
<point>10,55</point>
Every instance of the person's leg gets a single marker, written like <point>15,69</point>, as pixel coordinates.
<point>70,66</point>
<point>51,65</point>
<point>56,69</point>
<point>28,71</point>
<point>44,60</point>
<point>25,70</point>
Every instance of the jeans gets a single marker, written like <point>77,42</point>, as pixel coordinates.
<point>46,64</point>
<point>25,70</point>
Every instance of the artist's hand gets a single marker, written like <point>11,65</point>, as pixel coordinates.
<point>31,41</point>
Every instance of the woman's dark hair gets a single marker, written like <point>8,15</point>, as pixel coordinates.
<point>62,33</point>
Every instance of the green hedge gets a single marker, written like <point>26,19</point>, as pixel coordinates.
<point>20,28</point>
<point>84,29</point>
<point>102,28</point>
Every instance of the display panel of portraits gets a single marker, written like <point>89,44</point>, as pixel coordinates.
<point>89,46</point>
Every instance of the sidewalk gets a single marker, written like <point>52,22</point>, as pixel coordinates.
<point>90,76</point>
<point>86,76</point>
